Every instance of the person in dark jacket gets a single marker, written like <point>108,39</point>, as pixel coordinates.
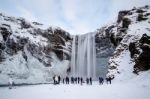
<point>67,80</point>
<point>59,79</point>
<point>101,80</point>
<point>75,80</point>
<point>108,80</point>
<point>90,80</point>
<point>72,80</point>
<point>63,81</point>
<point>87,81</point>
<point>78,80</point>
<point>54,82</point>
<point>81,80</point>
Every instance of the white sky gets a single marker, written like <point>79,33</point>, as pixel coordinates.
<point>75,16</point>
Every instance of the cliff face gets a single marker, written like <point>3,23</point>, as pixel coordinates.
<point>104,50</point>
<point>31,54</point>
<point>130,36</point>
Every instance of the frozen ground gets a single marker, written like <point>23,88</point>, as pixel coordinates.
<point>120,90</point>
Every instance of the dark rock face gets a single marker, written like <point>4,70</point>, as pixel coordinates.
<point>142,59</point>
<point>141,17</point>
<point>126,23</point>
<point>24,24</point>
<point>58,38</point>
<point>125,36</point>
<point>132,49</point>
<point>122,14</point>
<point>5,32</point>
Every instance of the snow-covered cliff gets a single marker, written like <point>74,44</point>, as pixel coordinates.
<point>31,54</point>
<point>130,35</point>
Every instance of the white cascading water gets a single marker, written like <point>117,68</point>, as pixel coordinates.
<point>83,57</point>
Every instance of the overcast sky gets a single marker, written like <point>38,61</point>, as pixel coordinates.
<point>75,16</point>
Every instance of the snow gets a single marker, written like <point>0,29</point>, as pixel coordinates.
<point>117,90</point>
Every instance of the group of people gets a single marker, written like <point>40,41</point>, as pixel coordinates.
<point>89,81</point>
<point>79,80</point>
<point>73,80</point>
<point>108,80</point>
<point>56,79</point>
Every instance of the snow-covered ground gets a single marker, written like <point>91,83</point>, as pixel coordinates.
<point>137,88</point>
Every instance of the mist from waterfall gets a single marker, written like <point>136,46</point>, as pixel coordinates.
<point>83,57</point>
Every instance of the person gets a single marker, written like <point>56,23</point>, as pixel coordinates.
<point>72,80</point>
<point>67,80</point>
<point>81,80</point>
<point>75,80</point>
<point>108,80</point>
<point>101,80</point>
<point>10,83</point>
<point>87,81</point>
<point>54,82</point>
<point>59,79</point>
<point>63,81</point>
<point>90,80</point>
<point>78,80</point>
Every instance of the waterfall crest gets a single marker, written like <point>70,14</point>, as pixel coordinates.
<point>83,57</point>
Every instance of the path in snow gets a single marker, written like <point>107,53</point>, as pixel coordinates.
<point>114,91</point>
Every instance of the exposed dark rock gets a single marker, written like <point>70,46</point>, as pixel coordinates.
<point>132,49</point>
<point>36,23</point>
<point>113,40</point>
<point>2,46</point>
<point>108,30</point>
<point>122,14</point>
<point>5,33</point>
<point>59,53</point>
<point>126,22</point>
<point>140,11</point>
<point>24,24</point>
<point>11,47</point>
<point>141,17</point>
<point>142,62</point>
<point>63,34</point>
<point>2,57</point>
<point>145,39</point>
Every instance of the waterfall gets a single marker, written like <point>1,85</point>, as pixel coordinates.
<point>83,57</point>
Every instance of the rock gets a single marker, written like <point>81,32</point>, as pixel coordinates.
<point>126,22</point>
<point>141,17</point>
